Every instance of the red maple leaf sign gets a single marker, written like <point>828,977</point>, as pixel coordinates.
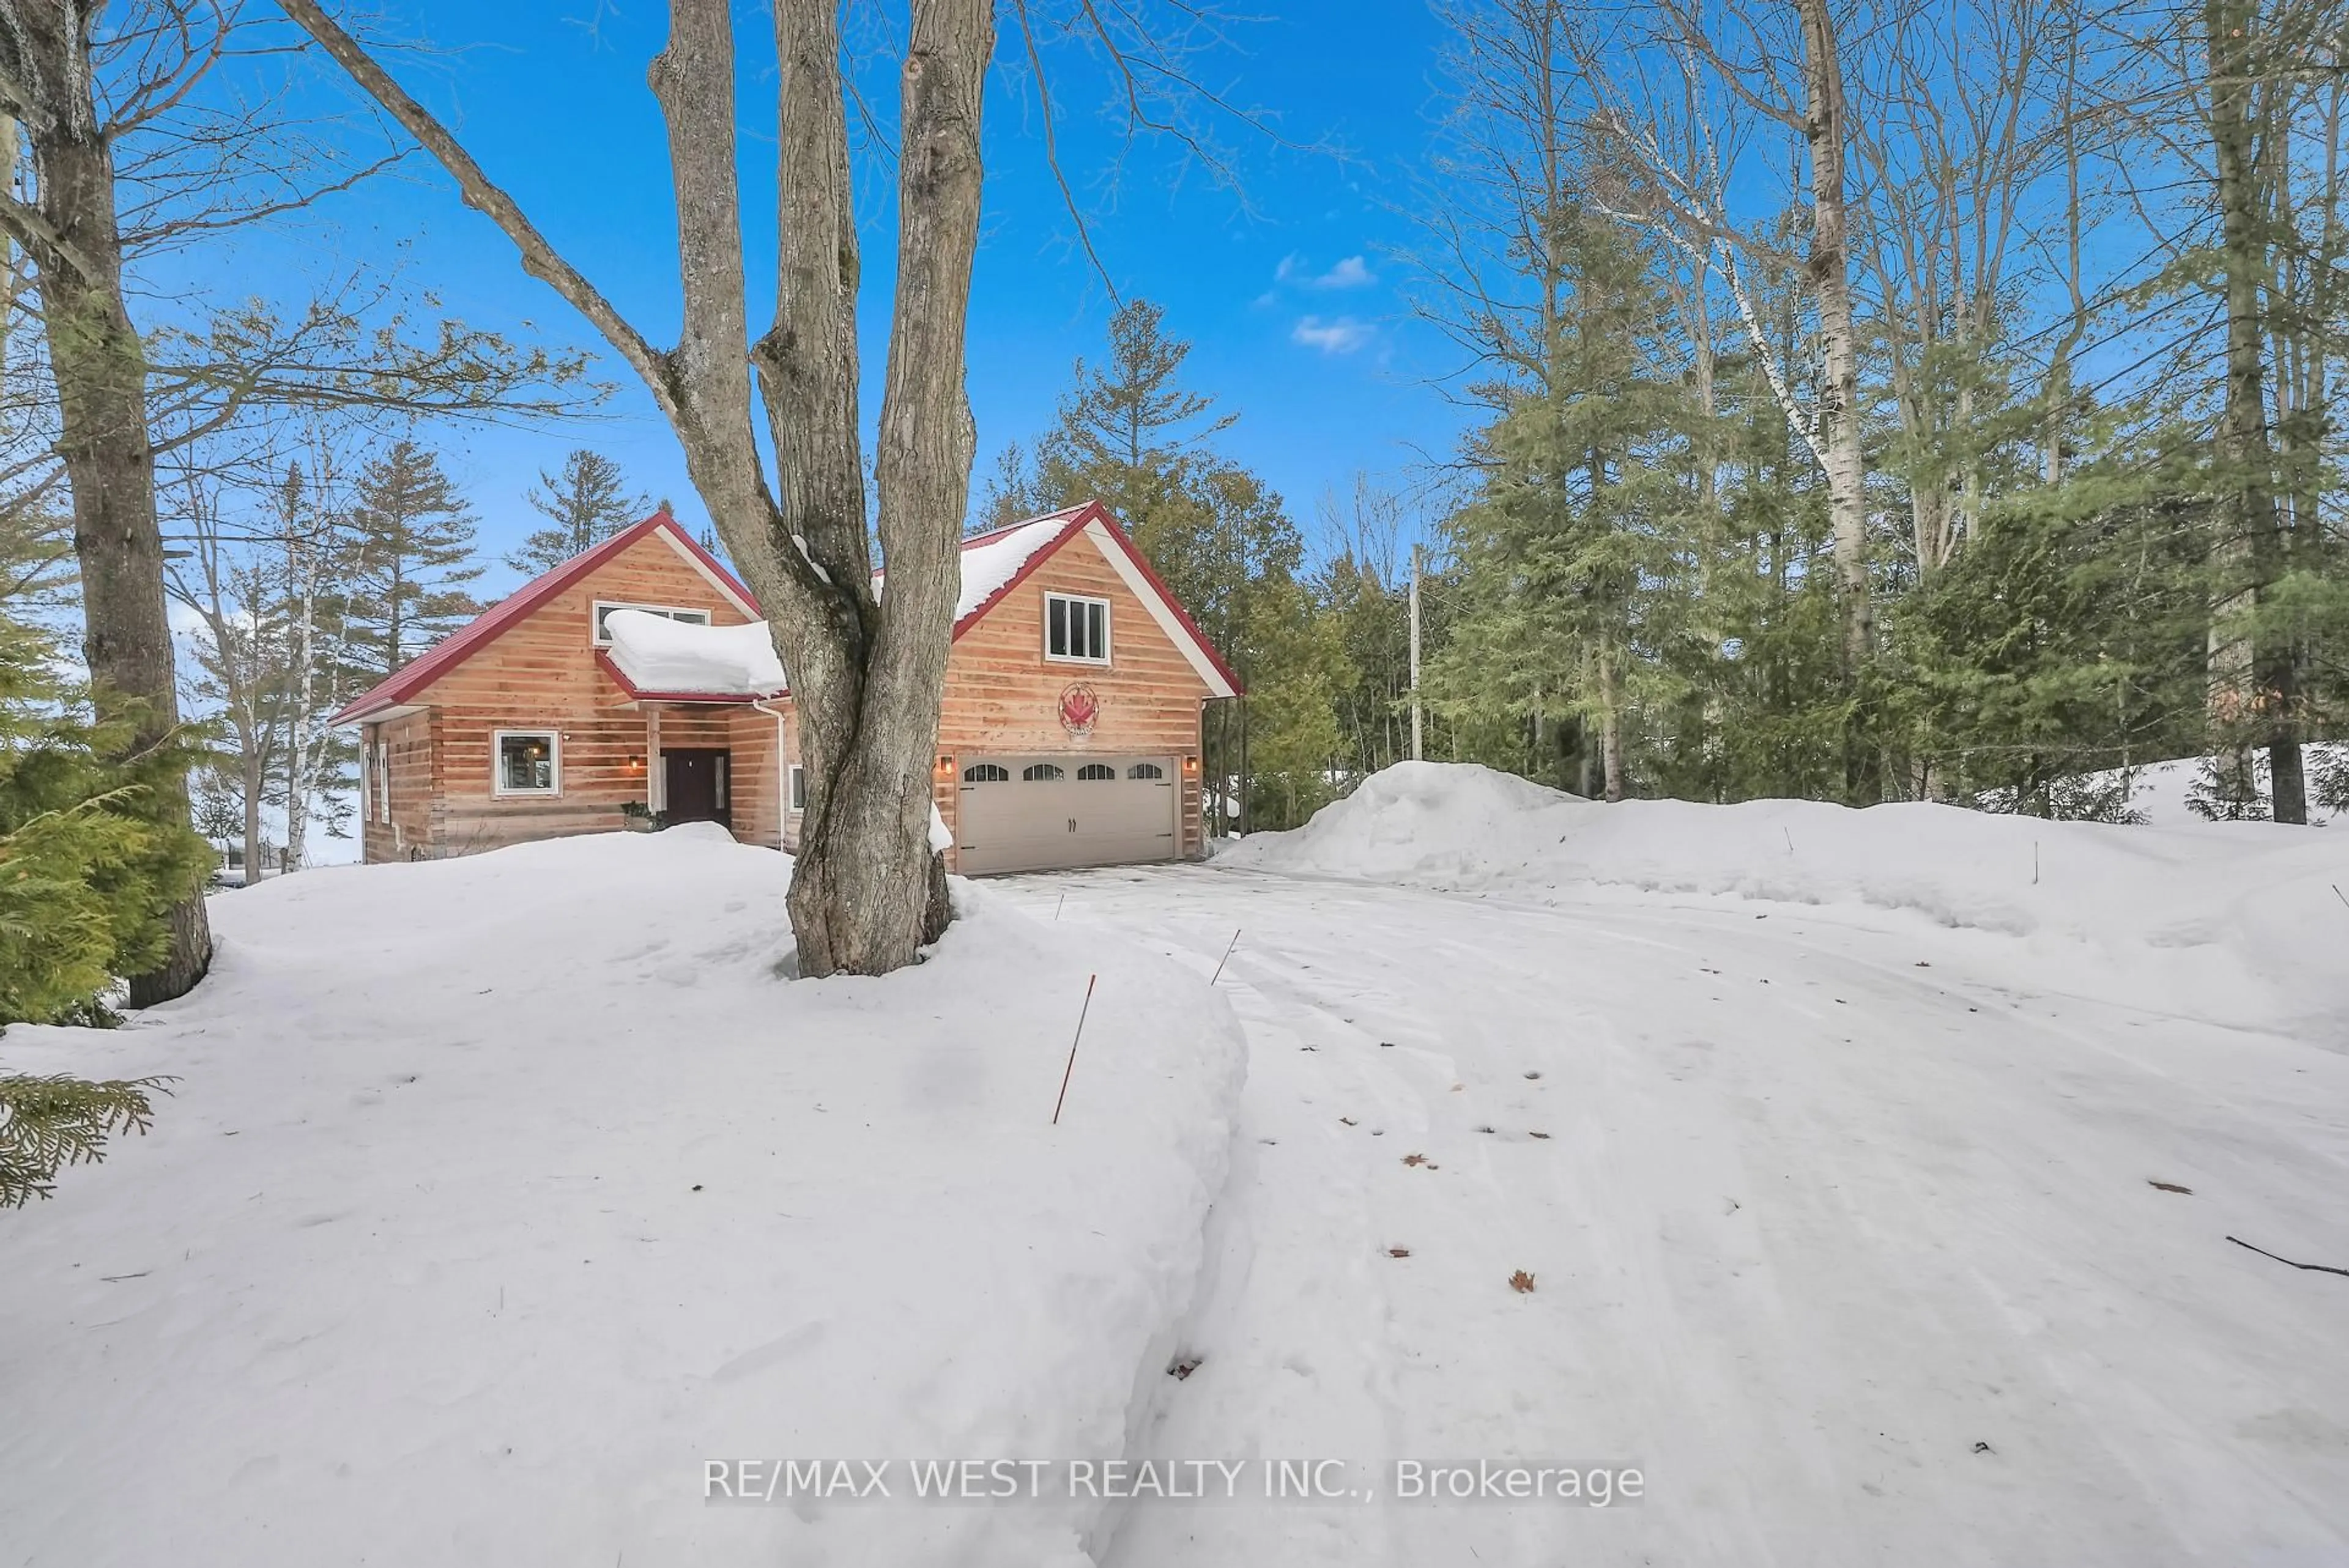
<point>1078,708</point>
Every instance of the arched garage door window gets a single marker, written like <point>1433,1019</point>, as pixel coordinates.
<point>1145,771</point>
<point>1043,773</point>
<point>986,773</point>
<point>1096,770</point>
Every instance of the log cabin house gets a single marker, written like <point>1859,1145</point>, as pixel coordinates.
<point>637,682</point>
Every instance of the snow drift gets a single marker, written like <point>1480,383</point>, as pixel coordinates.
<point>2238,919</point>
<point>497,1196</point>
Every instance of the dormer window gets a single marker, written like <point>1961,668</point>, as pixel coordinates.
<point>1076,630</point>
<point>603,634</point>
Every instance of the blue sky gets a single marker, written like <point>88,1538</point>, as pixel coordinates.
<point>1294,311</point>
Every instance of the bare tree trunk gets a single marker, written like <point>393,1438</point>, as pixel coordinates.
<point>1831,271</point>
<point>1846,469</point>
<point>1611,724</point>
<point>866,670</point>
<point>879,747</point>
<point>100,369</point>
<point>2244,437</point>
<point>256,783</point>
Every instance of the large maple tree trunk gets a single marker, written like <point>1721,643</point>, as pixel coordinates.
<point>101,370</point>
<point>866,669</point>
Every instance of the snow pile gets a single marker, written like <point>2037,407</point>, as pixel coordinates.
<point>2224,920</point>
<point>499,1196</point>
<point>2158,792</point>
<point>659,655</point>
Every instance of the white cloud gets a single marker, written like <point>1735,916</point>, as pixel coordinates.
<point>1343,336</point>
<point>1291,266</point>
<point>1350,273</point>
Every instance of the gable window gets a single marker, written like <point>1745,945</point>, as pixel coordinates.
<point>986,773</point>
<point>1043,773</point>
<point>1145,771</point>
<point>528,761</point>
<point>1076,630</point>
<point>603,634</point>
<point>1096,770</point>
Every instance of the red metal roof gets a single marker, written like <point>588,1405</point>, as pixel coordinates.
<point>463,643</point>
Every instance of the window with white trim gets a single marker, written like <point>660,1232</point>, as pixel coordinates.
<point>1076,630</point>
<point>602,635</point>
<point>526,762</point>
<point>799,787</point>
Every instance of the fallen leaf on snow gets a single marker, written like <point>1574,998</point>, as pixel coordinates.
<point>1522,1283</point>
<point>1398,1251</point>
<point>1414,1159</point>
<point>2171,1187</point>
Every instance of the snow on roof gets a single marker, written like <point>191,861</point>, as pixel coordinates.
<point>991,561</point>
<point>659,655</point>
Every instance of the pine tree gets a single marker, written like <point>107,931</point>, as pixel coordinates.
<point>49,1123</point>
<point>86,880</point>
<point>588,502</point>
<point>414,555</point>
<point>1131,434</point>
<point>1569,550</point>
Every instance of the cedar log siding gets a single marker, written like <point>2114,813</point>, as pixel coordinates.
<point>541,674</point>
<point>409,828</point>
<point>1003,696</point>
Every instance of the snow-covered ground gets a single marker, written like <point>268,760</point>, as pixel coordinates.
<point>499,1197</point>
<point>1872,1175</point>
<point>2158,792</point>
<point>1832,1166</point>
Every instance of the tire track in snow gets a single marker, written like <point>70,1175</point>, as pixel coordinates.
<point>1811,1222</point>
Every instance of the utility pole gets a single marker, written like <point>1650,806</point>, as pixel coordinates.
<point>1417,552</point>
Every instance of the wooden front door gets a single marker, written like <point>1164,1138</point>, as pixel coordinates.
<point>697,784</point>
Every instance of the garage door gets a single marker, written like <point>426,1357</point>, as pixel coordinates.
<point>1036,813</point>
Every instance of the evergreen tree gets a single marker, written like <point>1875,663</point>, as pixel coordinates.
<point>87,881</point>
<point>1569,550</point>
<point>48,1123</point>
<point>414,554</point>
<point>586,503</point>
<point>1131,434</point>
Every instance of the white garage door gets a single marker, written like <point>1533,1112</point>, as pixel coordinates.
<point>1036,813</point>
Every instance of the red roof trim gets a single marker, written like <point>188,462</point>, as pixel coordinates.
<point>1091,512</point>
<point>1076,518</point>
<point>611,666</point>
<point>1183,616</point>
<point>491,624</point>
<point>470,638</point>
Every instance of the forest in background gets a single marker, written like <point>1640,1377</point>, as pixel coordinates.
<point>1924,401</point>
<point>1886,400</point>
